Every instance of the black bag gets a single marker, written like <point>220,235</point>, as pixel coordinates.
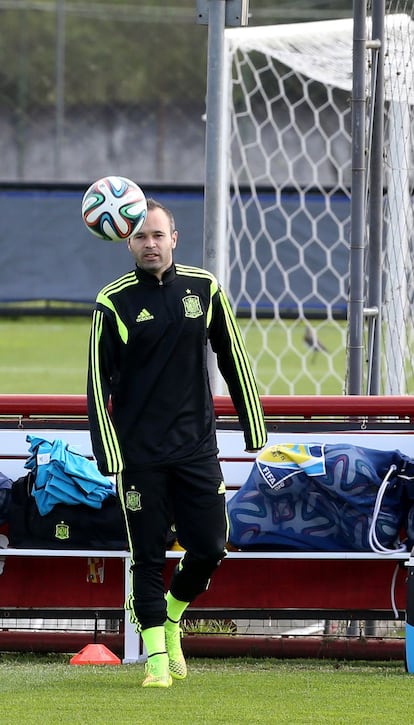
<point>5,496</point>
<point>65,527</point>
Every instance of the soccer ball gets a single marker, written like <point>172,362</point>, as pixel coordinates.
<point>114,208</point>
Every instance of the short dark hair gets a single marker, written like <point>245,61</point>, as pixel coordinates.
<point>153,204</point>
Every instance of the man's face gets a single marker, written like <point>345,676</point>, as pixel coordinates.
<point>152,247</point>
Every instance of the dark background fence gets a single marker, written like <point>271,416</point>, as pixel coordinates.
<point>115,86</point>
<point>47,254</point>
<point>91,89</point>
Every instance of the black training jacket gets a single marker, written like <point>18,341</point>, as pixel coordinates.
<point>148,365</point>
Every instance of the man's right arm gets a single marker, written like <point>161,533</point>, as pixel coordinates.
<point>105,444</point>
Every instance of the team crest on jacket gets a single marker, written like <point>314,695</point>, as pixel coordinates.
<point>62,531</point>
<point>133,500</point>
<point>192,306</point>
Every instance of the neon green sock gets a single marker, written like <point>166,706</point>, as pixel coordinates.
<point>175,608</point>
<point>154,640</point>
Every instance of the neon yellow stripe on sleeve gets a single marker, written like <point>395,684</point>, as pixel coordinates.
<point>246,377</point>
<point>107,432</point>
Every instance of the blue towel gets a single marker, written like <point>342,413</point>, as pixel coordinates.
<point>62,475</point>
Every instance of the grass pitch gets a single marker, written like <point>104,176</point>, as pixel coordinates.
<point>49,355</point>
<point>44,355</point>
<point>43,690</point>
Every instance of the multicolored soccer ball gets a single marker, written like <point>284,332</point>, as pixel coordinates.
<point>114,208</point>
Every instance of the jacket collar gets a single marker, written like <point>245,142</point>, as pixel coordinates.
<point>150,279</point>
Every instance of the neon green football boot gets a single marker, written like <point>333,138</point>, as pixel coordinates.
<point>156,672</point>
<point>177,664</point>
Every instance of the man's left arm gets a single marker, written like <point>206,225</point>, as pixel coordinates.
<point>234,364</point>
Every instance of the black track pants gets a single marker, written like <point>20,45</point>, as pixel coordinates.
<point>191,496</point>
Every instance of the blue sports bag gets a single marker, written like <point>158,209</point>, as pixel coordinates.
<point>322,497</point>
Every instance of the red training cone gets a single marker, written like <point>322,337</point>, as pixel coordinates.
<point>95,654</point>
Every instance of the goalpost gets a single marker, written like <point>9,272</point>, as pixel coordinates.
<point>289,206</point>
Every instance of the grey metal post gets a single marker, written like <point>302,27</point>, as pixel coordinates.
<point>217,14</point>
<point>60,86</point>
<point>376,199</point>
<point>356,296</point>
<point>215,173</point>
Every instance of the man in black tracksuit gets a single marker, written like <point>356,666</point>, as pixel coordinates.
<point>148,358</point>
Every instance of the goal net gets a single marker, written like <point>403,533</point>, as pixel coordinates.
<point>289,207</point>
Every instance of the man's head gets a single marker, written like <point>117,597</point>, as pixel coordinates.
<point>152,246</point>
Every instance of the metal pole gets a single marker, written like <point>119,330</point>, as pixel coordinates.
<point>22,96</point>
<point>215,152</point>
<point>60,86</point>
<point>409,619</point>
<point>376,197</point>
<point>356,296</point>
<point>217,14</point>
<point>215,188</point>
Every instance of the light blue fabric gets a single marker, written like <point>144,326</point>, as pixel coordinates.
<point>62,475</point>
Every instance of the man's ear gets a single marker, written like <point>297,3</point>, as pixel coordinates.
<point>174,238</point>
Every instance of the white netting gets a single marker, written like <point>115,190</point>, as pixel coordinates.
<point>322,50</point>
<point>398,318</point>
<point>289,210</point>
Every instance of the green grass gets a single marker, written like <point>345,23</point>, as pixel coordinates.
<point>49,355</point>
<point>282,357</point>
<point>229,692</point>
<point>44,355</point>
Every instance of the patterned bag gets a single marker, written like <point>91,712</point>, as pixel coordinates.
<point>322,497</point>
